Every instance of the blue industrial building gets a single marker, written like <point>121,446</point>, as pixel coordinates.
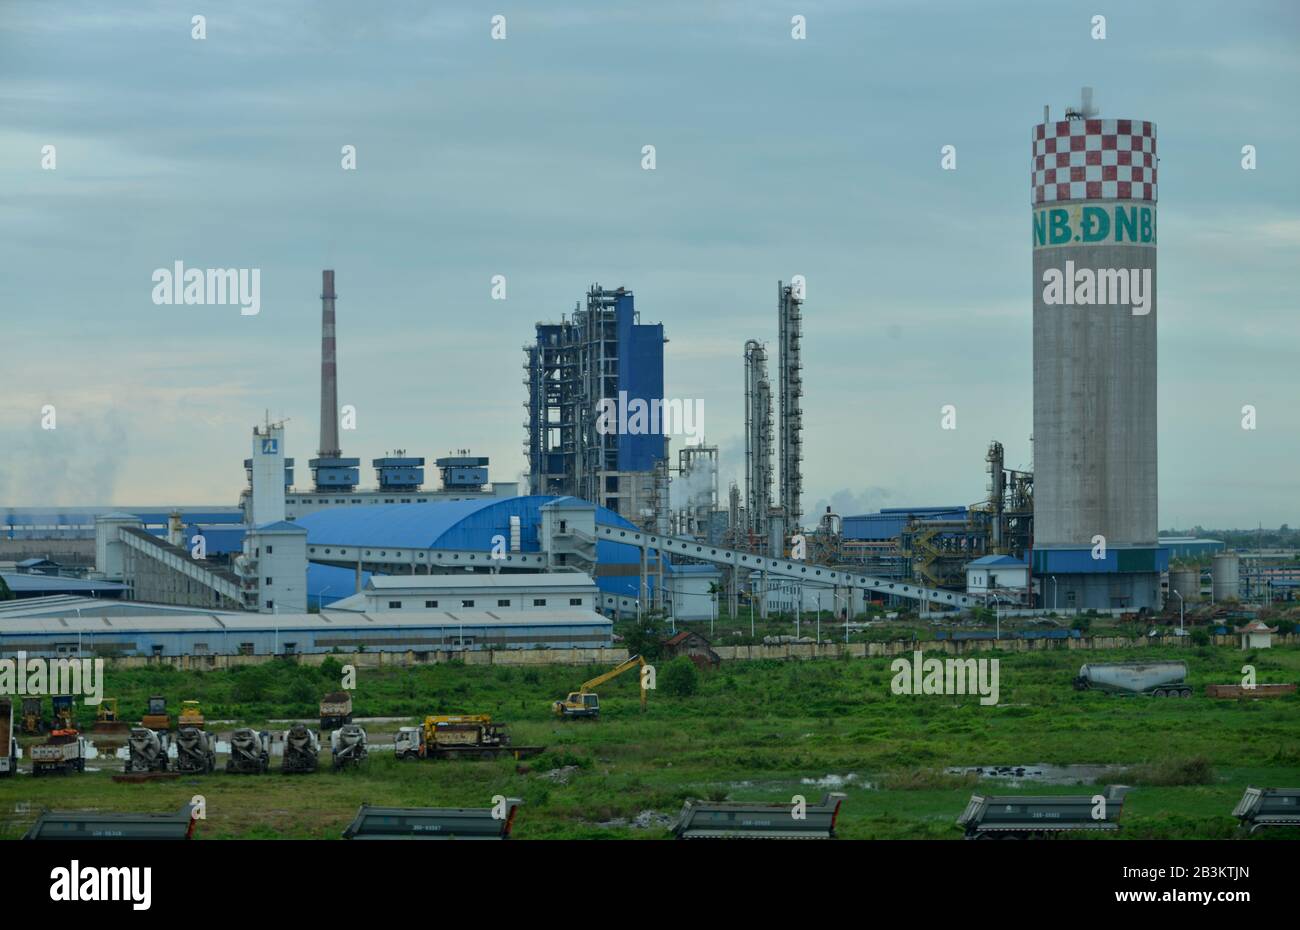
<point>459,525</point>
<point>890,522</point>
<point>602,354</point>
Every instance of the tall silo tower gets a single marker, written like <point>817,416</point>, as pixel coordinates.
<point>1094,243</point>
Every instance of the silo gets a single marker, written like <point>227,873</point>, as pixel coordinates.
<point>1225,577</point>
<point>1186,580</point>
<point>1093,197</point>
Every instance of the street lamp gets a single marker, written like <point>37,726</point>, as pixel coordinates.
<point>997,617</point>
<point>1179,595</point>
<point>1054,589</point>
<point>819,618</point>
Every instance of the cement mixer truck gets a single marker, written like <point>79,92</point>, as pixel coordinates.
<point>196,751</point>
<point>250,752</point>
<point>301,747</point>
<point>1158,679</point>
<point>348,745</point>
<point>146,751</point>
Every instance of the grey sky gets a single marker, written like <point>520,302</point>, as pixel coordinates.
<point>522,157</point>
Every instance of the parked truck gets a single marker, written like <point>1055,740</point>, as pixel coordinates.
<point>335,710</point>
<point>196,751</point>
<point>459,736</point>
<point>755,820</point>
<point>1158,679</point>
<point>146,750</point>
<point>8,741</point>
<point>191,715</point>
<point>1016,817</point>
<point>63,751</point>
<point>348,745</point>
<point>250,752</point>
<point>433,823</point>
<point>1268,807</point>
<point>301,749</point>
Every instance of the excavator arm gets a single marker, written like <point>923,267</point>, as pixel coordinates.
<point>588,686</point>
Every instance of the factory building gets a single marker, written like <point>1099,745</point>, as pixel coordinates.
<point>418,631</point>
<point>602,355</point>
<point>459,591</point>
<point>1093,194</point>
<point>404,541</point>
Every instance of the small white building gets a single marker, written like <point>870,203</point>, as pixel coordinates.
<point>994,573</point>
<point>273,567</point>
<point>1256,635</point>
<point>468,591</point>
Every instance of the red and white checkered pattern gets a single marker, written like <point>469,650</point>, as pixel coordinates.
<point>1094,159</point>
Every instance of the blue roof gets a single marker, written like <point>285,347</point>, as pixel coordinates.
<point>467,525</point>
<point>1004,560</point>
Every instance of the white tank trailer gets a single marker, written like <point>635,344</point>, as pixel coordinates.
<point>250,752</point>
<point>196,751</point>
<point>1158,679</point>
<point>1093,202</point>
<point>146,750</point>
<point>301,749</point>
<point>348,745</point>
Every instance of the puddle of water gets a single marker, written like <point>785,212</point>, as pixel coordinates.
<point>1041,774</point>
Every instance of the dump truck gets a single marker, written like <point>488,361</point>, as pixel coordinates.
<point>459,736</point>
<point>1157,679</point>
<point>301,749</point>
<point>753,820</point>
<point>1268,807</point>
<point>196,751</point>
<point>433,823</point>
<point>585,703</point>
<point>146,750</point>
<point>33,722</point>
<point>191,715</point>
<point>95,825</point>
<point>1016,817</point>
<point>8,741</point>
<point>157,718</point>
<point>348,745</point>
<point>250,752</point>
<point>335,710</point>
<point>63,751</point>
<point>62,718</point>
<point>107,721</point>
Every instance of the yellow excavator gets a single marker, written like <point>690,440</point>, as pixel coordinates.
<point>585,703</point>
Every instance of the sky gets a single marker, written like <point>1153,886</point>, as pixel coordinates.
<point>523,157</point>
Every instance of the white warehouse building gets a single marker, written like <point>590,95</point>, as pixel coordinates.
<point>527,591</point>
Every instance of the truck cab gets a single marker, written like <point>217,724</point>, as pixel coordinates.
<point>409,743</point>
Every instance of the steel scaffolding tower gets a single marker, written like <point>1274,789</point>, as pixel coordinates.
<point>790,325</point>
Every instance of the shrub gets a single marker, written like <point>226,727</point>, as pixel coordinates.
<point>679,678</point>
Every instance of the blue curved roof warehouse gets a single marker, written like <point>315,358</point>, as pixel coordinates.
<point>467,524</point>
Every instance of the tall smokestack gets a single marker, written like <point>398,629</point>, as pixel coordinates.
<point>329,373</point>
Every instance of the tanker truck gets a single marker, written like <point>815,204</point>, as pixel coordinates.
<point>301,747</point>
<point>1158,679</point>
<point>250,752</point>
<point>146,751</point>
<point>196,751</point>
<point>348,745</point>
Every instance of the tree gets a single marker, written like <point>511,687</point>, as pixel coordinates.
<point>679,678</point>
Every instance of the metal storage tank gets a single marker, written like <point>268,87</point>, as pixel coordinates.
<point>1187,582</point>
<point>1225,576</point>
<point>1093,194</point>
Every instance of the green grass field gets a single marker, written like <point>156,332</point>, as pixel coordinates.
<point>752,730</point>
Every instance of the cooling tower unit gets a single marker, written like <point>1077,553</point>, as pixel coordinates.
<point>1094,261</point>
